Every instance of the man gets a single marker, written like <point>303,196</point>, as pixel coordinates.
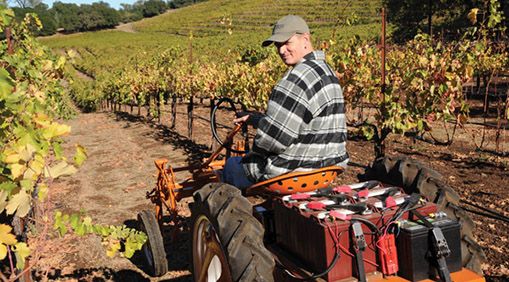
<point>304,126</point>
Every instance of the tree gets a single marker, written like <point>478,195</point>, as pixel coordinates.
<point>27,3</point>
<point>110,17</point>
<point>153,8</point>
<point>66,16</point>
<point>45,16</point>
<point>448,17</point>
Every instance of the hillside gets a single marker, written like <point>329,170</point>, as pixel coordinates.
<point>250,23</point>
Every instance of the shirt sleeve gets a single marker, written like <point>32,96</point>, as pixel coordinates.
<point>287,110</point>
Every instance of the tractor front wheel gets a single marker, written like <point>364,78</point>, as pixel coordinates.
<point>227,243</point>
<point>153,250</point>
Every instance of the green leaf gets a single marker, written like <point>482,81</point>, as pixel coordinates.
<point>8,186</point>
<point>80,156</point>
<point>22,252</point>
<point>57,149</point>
<point>60,169</point>
<point>43,191</point>
<point>27,184</point>
<point>74,220</point>
<point>6,83</point>
<point>368,132</point>
<point>19,203</point>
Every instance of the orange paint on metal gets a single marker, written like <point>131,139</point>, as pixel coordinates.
<point>298,182</point>
<point>465,275</point>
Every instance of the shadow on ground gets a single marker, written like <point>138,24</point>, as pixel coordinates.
<point>165,134</point>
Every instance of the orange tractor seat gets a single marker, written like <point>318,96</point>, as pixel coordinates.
<point>298,181</point>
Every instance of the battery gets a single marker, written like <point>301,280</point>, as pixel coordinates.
<point>414,249</point>
<point>315,243</point>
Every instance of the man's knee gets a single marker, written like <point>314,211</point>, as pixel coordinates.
<point>233,173</point>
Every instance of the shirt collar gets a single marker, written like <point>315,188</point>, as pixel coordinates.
<point>315,55</point>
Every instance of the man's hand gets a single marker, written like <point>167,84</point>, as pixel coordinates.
<point>242,118</point>
<point>251,118</point>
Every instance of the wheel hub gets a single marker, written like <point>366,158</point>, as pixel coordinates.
<point>209,261</point>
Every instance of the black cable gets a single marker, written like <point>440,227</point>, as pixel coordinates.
<point>368,223</point>
<point>409,203</point>
<point>314,276</point>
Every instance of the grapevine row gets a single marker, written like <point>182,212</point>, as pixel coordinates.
<point>424,80</point>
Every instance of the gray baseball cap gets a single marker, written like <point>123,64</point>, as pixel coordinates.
<point>285,28</point>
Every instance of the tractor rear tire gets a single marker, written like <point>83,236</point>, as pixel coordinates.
<point>227,242</point>
<point>415,177</point>
<point>153,250</point>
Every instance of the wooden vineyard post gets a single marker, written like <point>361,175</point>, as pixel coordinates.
<point>173,110</point>
<point>158,103</point>
<point>190,107</point>
<point>380,143</point>
<point>148,115</point>
<point>212,140</point>
<point>10,50</point>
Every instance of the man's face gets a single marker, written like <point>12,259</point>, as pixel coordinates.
<point>293,50</point>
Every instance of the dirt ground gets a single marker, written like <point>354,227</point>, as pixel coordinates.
<point>111,185</point>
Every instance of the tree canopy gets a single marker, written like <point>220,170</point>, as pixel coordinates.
<point>73,18</point>
<point>445,17</point>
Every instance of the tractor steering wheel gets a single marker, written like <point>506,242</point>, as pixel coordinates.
<point>213,125</point>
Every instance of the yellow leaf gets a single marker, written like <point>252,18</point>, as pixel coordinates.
<point>472,15</point>
<point>6,237</point>
<point>47,65</point>
<point>42,120</point>
<point>80,156</point>
<point>3,200</point>
<point>60,62</point>
<point>37,164</point>
<point>72,53</point>
<point>19,203</point>
<point>60,169</point>
<point>12,158</point>
<point>17,170</point>
<point>469,71</point>
<point>3,251</point>
<point>30,175</point>
<point>112,249</point>
<point>55,130</point>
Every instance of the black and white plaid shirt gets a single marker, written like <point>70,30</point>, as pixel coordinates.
<point>304,126</point>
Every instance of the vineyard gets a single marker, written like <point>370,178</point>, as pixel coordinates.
<point>444,102</point>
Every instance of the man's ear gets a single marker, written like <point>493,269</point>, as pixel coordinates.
<point>307,36</point>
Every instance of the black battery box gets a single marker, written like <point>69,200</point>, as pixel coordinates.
<point>414,248</point>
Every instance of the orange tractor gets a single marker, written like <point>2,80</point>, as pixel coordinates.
<point>401,223</point>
